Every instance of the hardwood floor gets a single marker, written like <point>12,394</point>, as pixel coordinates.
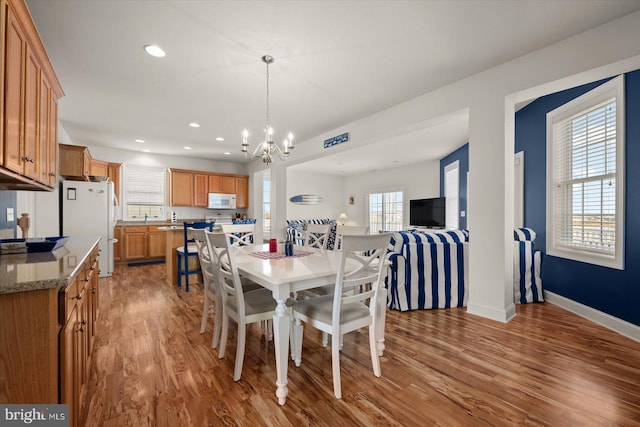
<point>151,366</point>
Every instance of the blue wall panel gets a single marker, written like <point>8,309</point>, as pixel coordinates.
<point>8,200</point>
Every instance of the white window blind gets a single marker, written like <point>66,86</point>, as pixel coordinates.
<point>586,193</point>
<point>144,191</point>
<point>385,211</point>
<point>452,194</point>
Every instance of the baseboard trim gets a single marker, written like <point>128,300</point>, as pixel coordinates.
<point>492,313</point>
<point>620,326</point>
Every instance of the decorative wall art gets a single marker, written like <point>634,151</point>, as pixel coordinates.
<point>306,199</point>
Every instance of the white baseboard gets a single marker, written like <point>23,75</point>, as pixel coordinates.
<point>491,313</point>
<point>620,326</point>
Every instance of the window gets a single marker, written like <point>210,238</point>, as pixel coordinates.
<point>385,211</point>
<point>585,177</point>
<point>451,194</point>
<point>144,192</point>
<point>266,202</point>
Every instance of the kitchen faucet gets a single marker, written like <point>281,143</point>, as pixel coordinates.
<point>145,218</point>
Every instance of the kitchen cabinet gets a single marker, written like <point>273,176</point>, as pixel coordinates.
<point>28,101</point>
<point>215,183</point>
<point>117,246</point>
<point>46,335</point>
<point>144,242</point>
<point>242,191</point>
<point>75,162</point>
<point>113,172</point>
<point>157,242</point>
<point>135,242</point>
<point>228,185</point>
<point>181,187</point>
<point>200,190</point>
<point>98,168</point>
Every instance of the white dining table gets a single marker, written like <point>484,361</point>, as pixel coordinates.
<point>291,274</point>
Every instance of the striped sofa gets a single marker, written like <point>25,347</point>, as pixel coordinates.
<point>295,230</point>
<point>527,262</point>
<point>429,269</point>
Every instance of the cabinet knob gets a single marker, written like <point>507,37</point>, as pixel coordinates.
<point>93,290</point>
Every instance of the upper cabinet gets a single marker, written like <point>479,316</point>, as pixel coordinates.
<point>28,104</point>
<point>75,162</point>
<point>191,188</point>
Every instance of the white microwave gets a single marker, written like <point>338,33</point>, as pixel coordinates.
<point>221,201</point>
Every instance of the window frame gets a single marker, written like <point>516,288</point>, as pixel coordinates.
<point>384,215</point>
<point>125,193</point>
<point>452,167</point>
<point>580,106</point>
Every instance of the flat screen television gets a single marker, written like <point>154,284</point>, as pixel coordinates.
<point>427,212</point>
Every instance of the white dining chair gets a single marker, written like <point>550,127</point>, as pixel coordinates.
<point>239,234</point>
<point>344,312</point>
<point>349,230</point>
<point>243,307</point>
<point>317,235</point>
<point>212,294</point>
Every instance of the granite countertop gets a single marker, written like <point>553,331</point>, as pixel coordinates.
<point>44,270</point>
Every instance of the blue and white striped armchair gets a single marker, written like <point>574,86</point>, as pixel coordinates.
<point>428,270</point>
<point>527,262</point>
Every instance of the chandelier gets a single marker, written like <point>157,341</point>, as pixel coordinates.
<point>268,148</point>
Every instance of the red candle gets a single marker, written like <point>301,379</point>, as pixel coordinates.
<point>273,245</point>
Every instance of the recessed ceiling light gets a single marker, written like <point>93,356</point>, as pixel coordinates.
<point>219,138</point>
<point>226,153</point>
<point>154,50</point>
<point>194,125</point>
<point>187,148</point>
<point>141,141</point>
<point>146,151</point>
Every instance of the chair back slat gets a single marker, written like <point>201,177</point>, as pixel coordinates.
<point>239,234</point>
<point>228,277</point>
<point>369,254</point>
<point>317,235</point>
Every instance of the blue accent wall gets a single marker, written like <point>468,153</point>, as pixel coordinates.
<point>461,154</point>
<point>8,200</point>
<point>615,292</point>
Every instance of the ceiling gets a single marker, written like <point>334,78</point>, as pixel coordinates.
<point>335,62</point>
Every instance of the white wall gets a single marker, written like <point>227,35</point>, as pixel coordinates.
<point>329,187</point>
<point>418,181</point>
<point>490,97</point>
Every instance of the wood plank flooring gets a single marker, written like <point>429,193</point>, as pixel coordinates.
<point>152,367</point>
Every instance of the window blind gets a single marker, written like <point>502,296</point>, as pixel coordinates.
<point>145,185</point>
<point>451,194</point>
<point>584,189</point>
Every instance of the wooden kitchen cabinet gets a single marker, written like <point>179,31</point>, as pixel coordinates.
<point>28,101</point>
<point>75,162</point>
<point>157,242</point>
<point>144,242</point>
<point>98,168</point>
<point>113,172</point>
<point>242,191</point>
<point>200,190</point>
<point>180,187</point>
<point>215,183</point>
<point>118,234</point>
<point>228,185</point>
<point>135,242</point>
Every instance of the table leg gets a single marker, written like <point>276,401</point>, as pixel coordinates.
<point>281,323</point>
<point>381,310</point>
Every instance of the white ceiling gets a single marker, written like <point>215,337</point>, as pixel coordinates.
<point>336,62</point>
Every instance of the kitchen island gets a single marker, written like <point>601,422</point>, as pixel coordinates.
<point>48,313</point>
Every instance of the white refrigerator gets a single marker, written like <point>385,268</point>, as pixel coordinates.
<point>89,210</point>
